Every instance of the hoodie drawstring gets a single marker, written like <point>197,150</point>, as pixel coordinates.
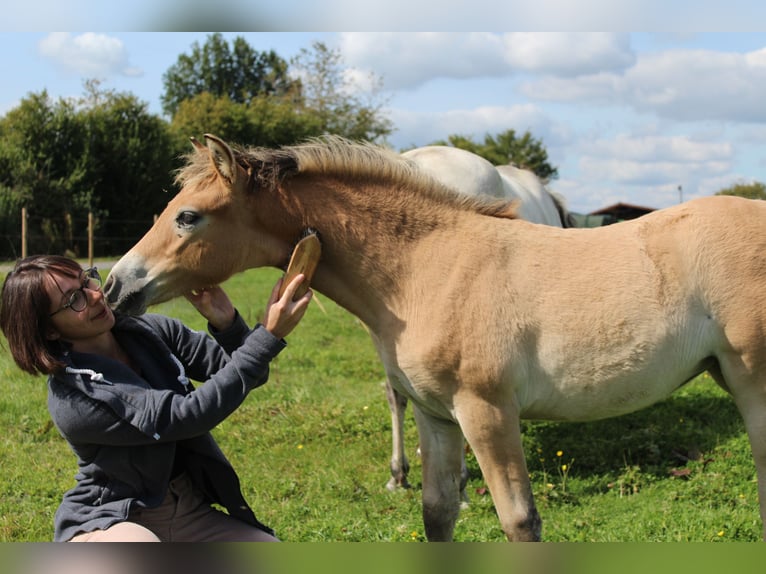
<point>182,376</point>
<point>94,376</point>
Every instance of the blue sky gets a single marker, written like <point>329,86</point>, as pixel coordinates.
<point>624,116</point>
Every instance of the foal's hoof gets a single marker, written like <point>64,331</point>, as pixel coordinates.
<point>393,484</point>
<point>465,502</point>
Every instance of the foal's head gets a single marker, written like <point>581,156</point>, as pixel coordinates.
<point>205,234</point>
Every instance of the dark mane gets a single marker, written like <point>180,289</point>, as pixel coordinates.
<point>336,156</point>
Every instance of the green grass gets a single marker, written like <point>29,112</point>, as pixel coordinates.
<point>312,448</point>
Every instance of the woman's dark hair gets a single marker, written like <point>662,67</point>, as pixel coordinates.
<point>25,312</point>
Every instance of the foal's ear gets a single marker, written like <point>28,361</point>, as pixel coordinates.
<point>195,142</point>
<point>223,158</point>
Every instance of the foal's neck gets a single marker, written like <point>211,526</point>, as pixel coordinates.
<point>369,235</point>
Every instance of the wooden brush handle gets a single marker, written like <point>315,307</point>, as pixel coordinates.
<point>304,260</point>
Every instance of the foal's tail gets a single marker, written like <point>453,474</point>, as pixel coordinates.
<point>567,219</point>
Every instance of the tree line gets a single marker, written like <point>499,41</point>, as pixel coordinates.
<point>104,153</point>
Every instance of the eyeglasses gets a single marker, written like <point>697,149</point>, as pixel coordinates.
<point>78,300</point>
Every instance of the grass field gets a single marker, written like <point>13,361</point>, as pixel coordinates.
<point>312,449</point>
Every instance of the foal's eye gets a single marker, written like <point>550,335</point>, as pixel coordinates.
<point>187,218</point>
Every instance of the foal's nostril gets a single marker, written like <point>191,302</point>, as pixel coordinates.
<point>109,287</point>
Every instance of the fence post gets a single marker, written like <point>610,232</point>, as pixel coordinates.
<point>23,232</point>
<point>90,239</point>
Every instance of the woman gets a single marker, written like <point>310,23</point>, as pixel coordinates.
<point>149,469</point>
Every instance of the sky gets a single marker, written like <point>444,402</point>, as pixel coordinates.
<point>643,118</point>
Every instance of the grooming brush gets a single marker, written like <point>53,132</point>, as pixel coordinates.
<point>304,259</point>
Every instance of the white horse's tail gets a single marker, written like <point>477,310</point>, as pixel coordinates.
<point>567,219</point>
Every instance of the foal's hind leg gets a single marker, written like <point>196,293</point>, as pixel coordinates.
<point>400,466</point>
<point>441,451</point>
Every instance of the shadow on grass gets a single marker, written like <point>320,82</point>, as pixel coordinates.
<point>661,437</point>
<point>658,439</point>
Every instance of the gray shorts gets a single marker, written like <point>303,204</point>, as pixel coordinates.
<point>184,516</point>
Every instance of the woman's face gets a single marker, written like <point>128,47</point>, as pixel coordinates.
<point>69,323</point>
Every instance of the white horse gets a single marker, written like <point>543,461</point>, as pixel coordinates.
<point>471,175</point>
<point>536,202</point>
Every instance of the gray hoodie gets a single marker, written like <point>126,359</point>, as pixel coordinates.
<point>129,430</point>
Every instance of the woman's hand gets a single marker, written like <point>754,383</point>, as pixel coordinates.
<point>214,305</point>
<point>283,315</point>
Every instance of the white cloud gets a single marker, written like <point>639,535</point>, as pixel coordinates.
<point>652,172</point>
<point>684,85</point>
<point>599,89</point>
<point>421,128</point>
<point>89,55</point>
<point>647,170</point>
<point>699,85</point>
<point>568,54</point>
<point>679,149</point>
<point>409,60</point>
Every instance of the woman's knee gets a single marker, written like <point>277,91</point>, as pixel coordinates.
<point>120,532</point>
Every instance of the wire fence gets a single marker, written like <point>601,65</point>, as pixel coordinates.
<point>79,237</point>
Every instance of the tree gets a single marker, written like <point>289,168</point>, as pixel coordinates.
<point>318,102</point>
<point>525,152</point>
<point>341,107</point>
<point>102,154</point>
<point>753,190</point>
<point>41,151</point>
<point>265,121</point>
<point>238,72</point>
<point>131,157</point>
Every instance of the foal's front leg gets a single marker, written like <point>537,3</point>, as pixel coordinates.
<point>750,398</point>
<point>494,433</point>
<point>442,455</point>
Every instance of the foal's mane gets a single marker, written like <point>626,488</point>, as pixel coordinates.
<point>337,156</point>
